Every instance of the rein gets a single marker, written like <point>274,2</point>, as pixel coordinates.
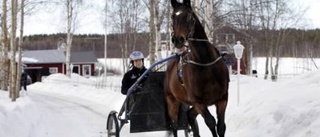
<point>201,64</point>
<point>193,39</point>
<point>197,63</point>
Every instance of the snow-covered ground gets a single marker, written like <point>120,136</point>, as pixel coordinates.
<point>77,107</point>
<point>288,67</point>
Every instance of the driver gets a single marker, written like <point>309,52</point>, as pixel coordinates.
<point>137,69</point>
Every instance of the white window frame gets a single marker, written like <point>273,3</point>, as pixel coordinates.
<point>83,70</point>
<point>53,70</point>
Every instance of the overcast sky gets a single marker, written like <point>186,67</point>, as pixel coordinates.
<point>313,11</point>
<point>48,22</point>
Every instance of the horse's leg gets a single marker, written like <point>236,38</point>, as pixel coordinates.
<point>192,115</point>
<point>221,108</point>
<point>209,120</point>
<point>173,111</point>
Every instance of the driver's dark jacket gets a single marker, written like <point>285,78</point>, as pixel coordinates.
<point>131,77</point>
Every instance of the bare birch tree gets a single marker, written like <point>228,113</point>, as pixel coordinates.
<point>118,23</point>
<point>242,15</point>
<point>210,15</point>
<point>273,16</point>
<point>13,65</point>
<point>127,19</point>
<point>4,48</point>
<point>69,7</point>
<point>158,13</point>
<point>6,41</point>
<point>169,45</point>
<point>72,7</point>
<point>153,30</point>
<point>20,46</point>
<point>269,16</point>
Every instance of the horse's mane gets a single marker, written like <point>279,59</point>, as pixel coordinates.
<point>204,46</point>
<point>200,29</point>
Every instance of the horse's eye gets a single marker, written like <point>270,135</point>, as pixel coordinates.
<point>181,39</point>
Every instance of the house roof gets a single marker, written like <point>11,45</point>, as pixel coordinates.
<point>230,29</point>
<point>43,56</point>
<point>83,57</point>
<point>56,56</point>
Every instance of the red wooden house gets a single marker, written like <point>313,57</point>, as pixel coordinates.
<point>45,62</point>
<point>225,39</point>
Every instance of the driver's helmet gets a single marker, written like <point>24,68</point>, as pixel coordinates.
<point>135,55</point>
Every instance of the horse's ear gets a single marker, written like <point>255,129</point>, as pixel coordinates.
<point>174,3</point>
<point>187,3</point>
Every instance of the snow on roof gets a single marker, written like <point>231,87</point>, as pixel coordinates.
<point>43,56</point>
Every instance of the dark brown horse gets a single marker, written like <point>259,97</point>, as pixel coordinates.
<point>198,78</point>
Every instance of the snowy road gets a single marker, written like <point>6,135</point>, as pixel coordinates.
<point>72,115</point>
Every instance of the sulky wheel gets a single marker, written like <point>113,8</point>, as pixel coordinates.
<point>189,133</point>
<point>113,125</point>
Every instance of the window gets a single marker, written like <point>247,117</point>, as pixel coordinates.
<point>86,70</point>
<point>225,38</point>
<point>53,70</point>
<point>76,69</point>
<point>231,38</point>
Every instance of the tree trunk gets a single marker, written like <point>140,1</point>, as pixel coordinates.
<point>169,47</point>
<point>13,65</point>
<point>266,68</point>
<point>4,51</point>
<point>20,44</point>
<point>157,31</point>
<point>152,35</point>
<point>277,51</point>
<point>70,11</point>
<point>209,19</point>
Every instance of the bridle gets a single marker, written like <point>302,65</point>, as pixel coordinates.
<point>180,42</point>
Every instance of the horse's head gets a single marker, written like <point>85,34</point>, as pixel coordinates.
<point>183,22</point>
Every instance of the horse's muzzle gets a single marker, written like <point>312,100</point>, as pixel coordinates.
<point>178,41</point>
